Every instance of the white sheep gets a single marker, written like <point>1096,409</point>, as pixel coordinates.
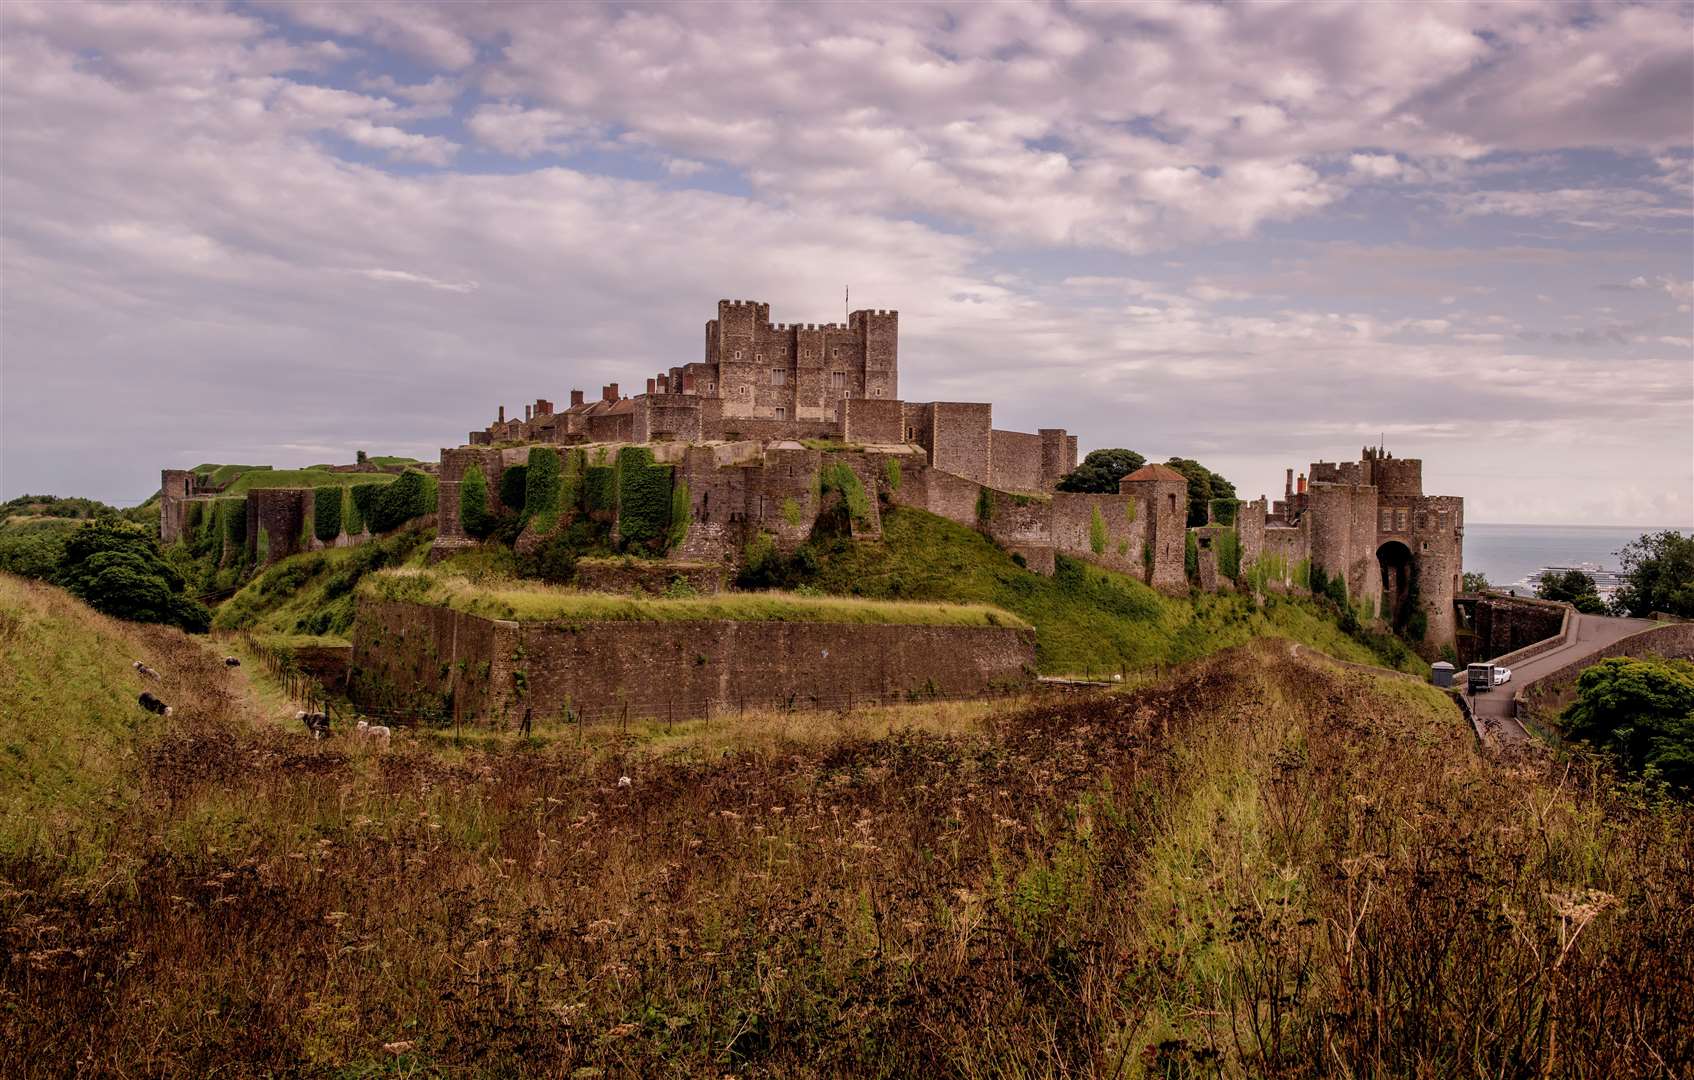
<point>145,671</point>
<point>624,781</point>
<point>316,722</point>
<point>379,732</point>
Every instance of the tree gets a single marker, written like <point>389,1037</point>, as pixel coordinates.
<point>1204,485</point>
<point>1573,587</point>
<point>1475,582</point>
<point>1658,575</point>
<point>1101,470</point>
<point>1642,712</point>
<point>116,568</point>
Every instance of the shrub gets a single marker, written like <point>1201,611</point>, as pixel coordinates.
<point>1097,532</point>
<point>541,488</point>
<point>116,568</point>
<point>1229,555</point>
<point>474,515</point>
<point>1191,557</point>
<point>553,560</point>
<point>791,513</point>
<point>599,489</point>
<point>840,478</point>
<point>1224,511</point>
<point>364,505</point>
<point>1641,711</point>
<point>409,497</point>
<point>326,513</point>
<point>644,499</point>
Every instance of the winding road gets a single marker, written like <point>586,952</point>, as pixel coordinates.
<point>1588,634</point>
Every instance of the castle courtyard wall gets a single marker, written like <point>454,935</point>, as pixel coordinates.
<point>1015,461</point>
<point>415,656</point>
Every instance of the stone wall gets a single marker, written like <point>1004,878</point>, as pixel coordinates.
<point>961,439</point>
<point>1125,524</point>
<point>175,486</point>
<point>1015,461</point>
<point>1552,694</point>
<point>434,660</point>
<point>1510,630</point>
<point>1022,524</point>
<point>873,421</point>
<point>645,576</point>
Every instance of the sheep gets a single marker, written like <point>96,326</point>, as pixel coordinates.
<point>624,781</point>
<point>232,661</point>
<point>152,704</point>
<point>316,722</point>
<point>146,672</point>
<point>378,732</point>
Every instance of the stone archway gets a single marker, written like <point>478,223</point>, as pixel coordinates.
<point>1394,559</point>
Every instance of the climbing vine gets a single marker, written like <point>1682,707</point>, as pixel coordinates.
<point>474,515</point>
<point>1097,532</point>
<point>541,488</point>
<point>644,498</point>
<point>326,513</point>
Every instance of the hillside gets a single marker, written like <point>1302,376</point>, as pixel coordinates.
<point>1258,864</point>
<point>312,593</point>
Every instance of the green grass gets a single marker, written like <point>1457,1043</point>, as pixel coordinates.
<point>68,717</point>
<point>295,478</point>
<point>1087,620</point>
<point>533,602</point>
<point>387,460</point>
<point>312,593</point>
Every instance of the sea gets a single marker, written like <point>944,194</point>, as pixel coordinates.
<point>1513,555</point>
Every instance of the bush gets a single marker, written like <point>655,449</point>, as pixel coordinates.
<point>116,568</point>
<point>599,490</point>
<point>1642,713</point>
<point>541,488</point>
<point>474,514</point>
<point>1224,511</point>
<point>1097,533</point>
<point>552,561</point>
<point>409,497</point>
<point>326,513</point>
<point>1229,555</point>
<point>34,551</point>
<point>364,506</point>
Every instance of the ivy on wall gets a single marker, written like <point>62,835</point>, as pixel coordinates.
<point>474,514</point>
<point>840,477</point>
<point>1129,510</point>
<point>891,472</point>
<point>304,541</point>
<point>364,505</point>
<point>1097,532</point>
<point>541,488</point>
<point>1229,554</point>
<point>1191,557</point>
<point>234,515</point>
<point>682,514</point>
<point>984,506</point>
<point>411,496</point>
<point>326,513</point>
<point>644,499</point>
<point>599,491</point>
<point>351,522</point>
<point>513,482</point>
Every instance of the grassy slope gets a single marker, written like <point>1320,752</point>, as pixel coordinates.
<point>534,602</point>
<point>312,593</point>
<point>1086,619</point>
<point>294,478</point>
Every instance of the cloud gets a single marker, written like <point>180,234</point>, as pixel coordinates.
<point>399,144</point>
<point>521,132</point>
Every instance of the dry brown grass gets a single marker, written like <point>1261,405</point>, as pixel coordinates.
<point>1262,866</point>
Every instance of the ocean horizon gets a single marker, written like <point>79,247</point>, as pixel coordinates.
<point>1510,553</point>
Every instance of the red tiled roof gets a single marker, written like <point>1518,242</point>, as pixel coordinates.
<point>1155,472</point>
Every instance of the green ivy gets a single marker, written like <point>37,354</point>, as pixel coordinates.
<point>1129,510</point>
<point>474,515</point>
<point>1191,557</point>
<point>1097,532</point>
<point>682,514</point>
<point>984,506</point>
<point>352,523</point>
<point>364,505</point>
<point>326,512</point>
<point>840,477</point>
<point>891,471</point>
<point>234,514</point>
<point>644,498</point>
<point>541,488</point>
<point>1229,555</point>
<point>304,542</point>
<point>513,482</point>
<point>263,546</point>
<point>599,491</point>
<point>791,513</point>
<point>411,496</point>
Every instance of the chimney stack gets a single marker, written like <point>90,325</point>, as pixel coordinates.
<point>502,419</point>
<point>1302,490</point>
<point>687,383</point>
<point>652,387</point>
<point>609,392</point>
<point>1288,485</point>
<point>576,397</point>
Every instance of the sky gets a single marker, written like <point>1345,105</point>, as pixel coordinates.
<point>1256,235</point>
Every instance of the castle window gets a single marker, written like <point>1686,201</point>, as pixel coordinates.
<point>1385,520</point>
<point>746,391</point>
<point>759,356</point>
<point>877,392</point>
<point>738,354</point>
<point>781,413</point>
<point>838,380</point>
<point>1400,520</point>
<point>1173,503</point>
<point>779,377</point>
<point>1441,520</point>
<point>711,388</point>
<point>1423,520</point>
<point>836,352</point>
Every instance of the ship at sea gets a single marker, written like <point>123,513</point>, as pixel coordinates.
<point>1606,581</point>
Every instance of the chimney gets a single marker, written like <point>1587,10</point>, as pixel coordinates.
<point>502,419</point>
<point>1302,490</point>
<point>687,383</point>
<point>576,397</point>
<point>609,392</point>
<point>543,407</point>
<point>652,387</point>
<point>528,413</point>
<point>1288,486</point>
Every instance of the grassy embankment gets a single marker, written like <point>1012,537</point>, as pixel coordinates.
<point>1256,865</point>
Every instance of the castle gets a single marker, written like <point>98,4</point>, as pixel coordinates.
<point>748,430</point>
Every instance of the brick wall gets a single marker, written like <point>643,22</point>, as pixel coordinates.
<point>1164,507</point>
<point>409,655</point>
<point>1508,624</point>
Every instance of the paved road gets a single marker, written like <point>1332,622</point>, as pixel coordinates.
<point>1589,634</point>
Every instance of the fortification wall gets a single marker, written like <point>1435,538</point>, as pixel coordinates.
<point>1343,523</point>
<point>1552,694</point>
<point>1058,456</point>
<point>279,514</point>
<point>1022,524</point>
<point>175,486</point>
<point>873,421</point>
<point>645,576</point>
<point>1123,522</point>
<point>1015,461</point>
<point>412,656</point>
<point>1506,625</point>
<point>962,438</point>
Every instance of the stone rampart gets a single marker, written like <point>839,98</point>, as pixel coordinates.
<point>1551,694</point>
<point>1015,461</point>
<point>437,662</point>
<point>629,575</point>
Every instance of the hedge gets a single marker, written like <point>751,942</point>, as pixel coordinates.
<point>541,488</point>
<point>1224,511</point>
<point>644,498</point>
<point>326,513</point>
<point>473,503</point>
<point>513,482</point>
<point>411,496</point>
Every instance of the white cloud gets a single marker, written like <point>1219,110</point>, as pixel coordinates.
<point>398,143</point>
<point>521,132</point>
